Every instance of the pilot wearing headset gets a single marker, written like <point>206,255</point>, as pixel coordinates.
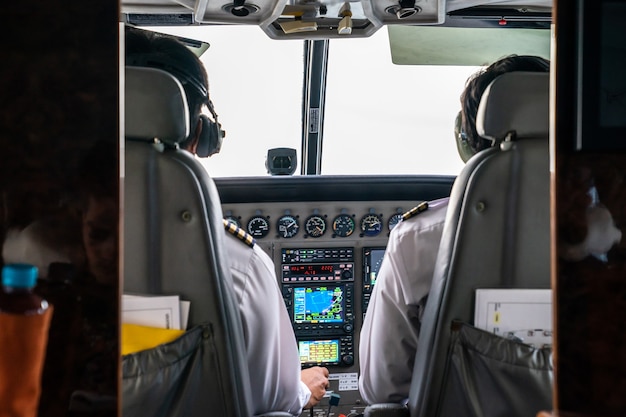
<point>391,326</point>
<point>276,380</point>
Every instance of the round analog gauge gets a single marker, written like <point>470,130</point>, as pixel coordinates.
<point>287,226</point>
<point>343,225</point>
<point>371,225</point>
<point>258,226</point>
<point>234,220</point>
<point>394,220</point>
<point>315,226</point>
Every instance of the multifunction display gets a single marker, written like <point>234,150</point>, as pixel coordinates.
<point>372,260</point>
<point>319,351</point>
<point>318,290</point>
<point>326,352</point>
<point>318,304</point>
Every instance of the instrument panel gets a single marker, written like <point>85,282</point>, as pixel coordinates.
<point>326,255</point>
<point>317,221</point>
<point>327,236</point>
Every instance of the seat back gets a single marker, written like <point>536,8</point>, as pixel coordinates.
<point>496,235</point>
<point>173,245</point>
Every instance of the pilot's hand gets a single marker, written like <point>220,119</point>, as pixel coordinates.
<point>316,378</point>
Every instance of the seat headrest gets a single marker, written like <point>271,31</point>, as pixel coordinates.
<point>515,102</point>
<point>155,106</point>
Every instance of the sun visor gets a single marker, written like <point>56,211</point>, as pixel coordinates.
<point>428,45</point>
<point>196,46</point>
<point>452,5</point>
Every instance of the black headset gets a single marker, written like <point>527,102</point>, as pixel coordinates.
<point>462,145</point>
<point>212,134</point>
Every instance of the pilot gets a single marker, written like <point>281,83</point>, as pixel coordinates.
<point>276,380</point>
<point>389,336</point>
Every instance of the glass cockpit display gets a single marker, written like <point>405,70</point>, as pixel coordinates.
<point>318,290</point>
<point>319,351</point>
<point>372,260</point>
<point>318,304</point>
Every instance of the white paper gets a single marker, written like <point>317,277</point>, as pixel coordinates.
<point>525,314</point>
<point>348,381</point>
<point>184,313</point>
<point>155,311</point>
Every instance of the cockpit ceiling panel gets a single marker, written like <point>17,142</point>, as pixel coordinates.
<point>543,5</point>
<point>290,19</point>
<point>320,19</point>
<point>156,6</point>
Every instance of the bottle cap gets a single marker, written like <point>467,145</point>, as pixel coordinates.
<point>19,275</point>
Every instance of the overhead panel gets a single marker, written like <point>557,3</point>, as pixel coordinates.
<point>357,18</point>
<point>253,12</point>
<point>289,19</point>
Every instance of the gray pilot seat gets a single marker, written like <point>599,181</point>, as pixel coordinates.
<point>174,245</point>
<point>496,235</point>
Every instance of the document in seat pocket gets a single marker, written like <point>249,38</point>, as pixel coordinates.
<point>154,311</point>
<point>521,314</point>
<point>136,338</point>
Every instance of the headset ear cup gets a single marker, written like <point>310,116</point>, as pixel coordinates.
<point>210,140</point>
<point>465,151</point>
<point>462,145</point>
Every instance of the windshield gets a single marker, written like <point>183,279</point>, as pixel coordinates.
<point>380,118</point>
<point>383,118</point>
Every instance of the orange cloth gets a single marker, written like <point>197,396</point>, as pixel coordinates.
<point>23,341</point>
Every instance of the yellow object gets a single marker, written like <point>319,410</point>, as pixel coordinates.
<point>296,26</point>
<point>136,338</point>
<point>496,318</point>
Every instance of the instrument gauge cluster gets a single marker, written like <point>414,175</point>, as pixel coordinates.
<point>371,224</point>
<point>258,226</point>
<point>319,220</point>
<point>315,226</point>
<point>343,225</point>
<point>287,226</point>
<point>394,220</point>
<point>234,220</point>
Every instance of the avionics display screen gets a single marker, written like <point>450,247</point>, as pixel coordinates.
<point>373,260</point>
<point>318,304</point>
<point>319,351</point>
<point>312,269</point>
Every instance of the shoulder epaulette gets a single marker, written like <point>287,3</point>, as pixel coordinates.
<point>239,233</point>
<point>421,207</point>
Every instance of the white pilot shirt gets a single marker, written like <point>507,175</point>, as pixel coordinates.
<point>392,322</point>
<point>272,353</point>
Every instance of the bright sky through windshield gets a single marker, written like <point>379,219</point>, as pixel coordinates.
<point>380,118</point>
<point>383,118</point>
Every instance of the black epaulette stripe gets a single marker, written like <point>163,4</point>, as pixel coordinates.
<point>421,207</point>
<point>239,233</point>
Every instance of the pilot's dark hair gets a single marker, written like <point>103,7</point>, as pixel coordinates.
<point>149,49</point>
<point>478,82</point>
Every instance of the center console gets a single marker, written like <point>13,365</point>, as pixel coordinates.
<point>327,256</point>
<point>318,290</point>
